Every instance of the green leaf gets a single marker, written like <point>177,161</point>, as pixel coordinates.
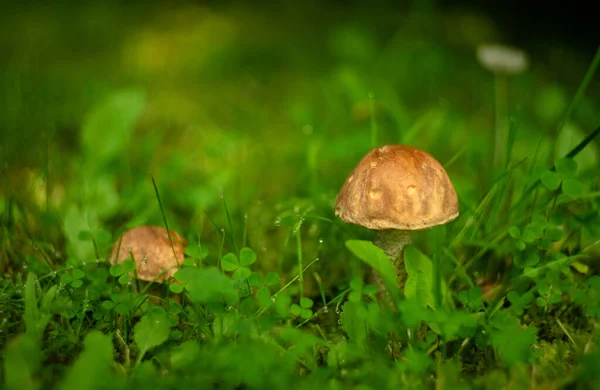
<point>77,283</point>
<point>116,270</point>
<point>377,259</point>
<point>263,295</point>
<point>255,280</point>
<point>176,288</point>
<point>196,251</point>
<point>108,305</point>
<point>353,322</point>
<point>48,298</point>
<point>580,267</point>
<point>152,330</point>
<point>370,290</point>
<point>78,274</point>
<point>65,277</point>
<point>74,221</point>
<point>541,302</point>
<point>555,297</point>
<point>306,314</point>
<point>128,265</point>
<point>355,296</point>
<point>107,130</point>
<point>103,236</point>
<point>554,233</point>
<point>532,232</point>
<point>550,180</point>
<point>247,256</point>
<point>93,365</point>
<point>282,304</point>
<point>306,303</point>
<point>85,235</point>
<point>241,273</point>
<point>21,358</point>
<point>419,284</point>
<point>566,167</point>
<point>230,262</point>
<point>125,278</point>
<point>418,361</point>
<point>573,188</point>
<point>209,285</point>
<point>511,340</point>
<point>32,313</point>
<point>272,279</point>
<point>514,232</point>
<point>295,309</point>
<point>185,354</point>
<point>356,284</point>
<point>185,274</point>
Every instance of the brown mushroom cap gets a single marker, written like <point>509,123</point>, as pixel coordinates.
<point>151,251</point>
<point>397,187</point>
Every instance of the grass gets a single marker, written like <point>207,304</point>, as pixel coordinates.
<point>239,141</point>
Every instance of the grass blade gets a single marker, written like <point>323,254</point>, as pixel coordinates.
<point>162,212</point>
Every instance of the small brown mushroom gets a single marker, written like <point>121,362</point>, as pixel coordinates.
<point>394,190</point>
<point>155,258</point>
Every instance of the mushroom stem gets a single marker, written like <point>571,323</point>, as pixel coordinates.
<point>392,242</point>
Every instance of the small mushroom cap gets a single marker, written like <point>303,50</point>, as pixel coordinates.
<point>151,250</point>
<point>502,59</point>
<point>397,187</point>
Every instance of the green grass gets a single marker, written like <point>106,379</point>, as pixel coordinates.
<point>236,127</point>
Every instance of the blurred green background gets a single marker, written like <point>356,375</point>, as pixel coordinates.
<point>266,107</point>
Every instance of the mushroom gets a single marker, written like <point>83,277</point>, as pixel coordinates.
<point>502,61</point>
<point>155,258</point>
<point>394,190</point>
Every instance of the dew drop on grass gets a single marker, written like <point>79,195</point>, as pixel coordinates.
<point>325,309</point>
<point>273,297</point>
<point>277,222</point>
<point>230,308</point>
<point>337,310</point>
<point>320,240</point>
<point>24,266</point>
